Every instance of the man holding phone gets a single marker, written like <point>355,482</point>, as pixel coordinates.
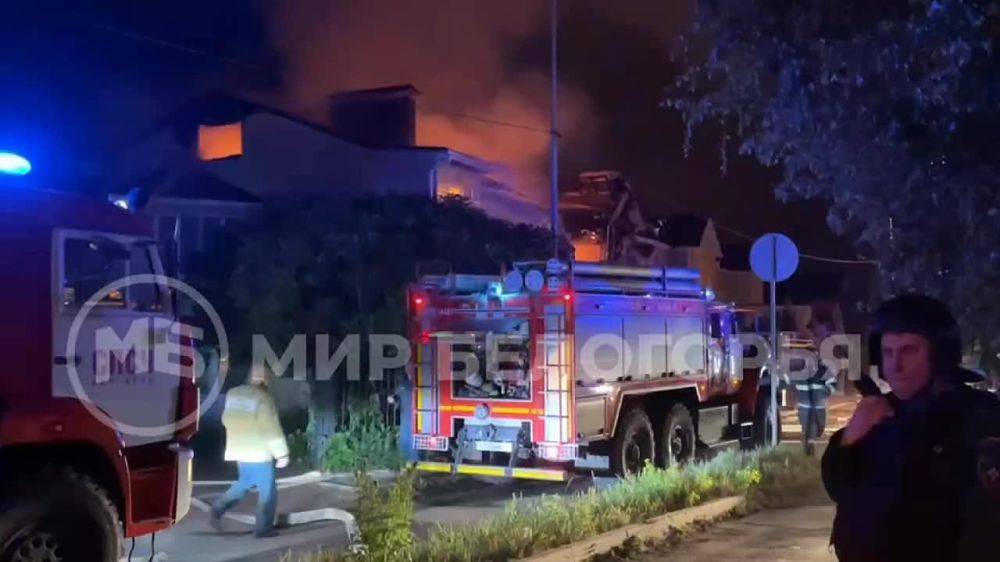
<point>906,472</point>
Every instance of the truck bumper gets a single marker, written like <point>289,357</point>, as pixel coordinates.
<point>494,471</point>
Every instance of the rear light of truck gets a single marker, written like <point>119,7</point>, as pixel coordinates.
<point>418,303</point>
<point>430,442</point>
<point>557,451</point>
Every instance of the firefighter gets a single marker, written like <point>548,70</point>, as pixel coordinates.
<point>911,472</point>
<point>254,440</point>
<point>812,395</point>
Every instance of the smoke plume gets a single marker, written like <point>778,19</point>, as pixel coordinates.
<point>458,53</point>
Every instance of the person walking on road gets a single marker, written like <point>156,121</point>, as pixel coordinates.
<point>914,474</point>
<point>811,397</point>
<point>254,440</point>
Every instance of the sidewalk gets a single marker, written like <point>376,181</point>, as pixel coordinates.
<point>800,534</point>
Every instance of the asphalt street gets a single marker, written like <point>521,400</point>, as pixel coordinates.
<point>452,500</point>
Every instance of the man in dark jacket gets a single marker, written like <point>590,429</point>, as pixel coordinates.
<point>911,472</point>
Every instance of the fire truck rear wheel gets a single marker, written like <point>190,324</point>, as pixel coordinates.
<point>634,445</point>
<point>57,514</point>
<point>678,439</point>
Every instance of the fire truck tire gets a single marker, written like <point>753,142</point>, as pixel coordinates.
<point>678,440</point>
<point>635,443</point>
<point>58,514</point>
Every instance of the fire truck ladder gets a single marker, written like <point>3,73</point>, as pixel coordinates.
<point>426,388</point>
<point>556,377</point>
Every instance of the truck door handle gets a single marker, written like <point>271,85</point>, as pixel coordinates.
<point>61,360</point>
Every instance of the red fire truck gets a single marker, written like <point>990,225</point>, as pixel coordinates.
<point>72,486</point>
<point>597,366</point>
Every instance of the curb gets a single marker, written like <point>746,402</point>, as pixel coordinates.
<point>652,529</point>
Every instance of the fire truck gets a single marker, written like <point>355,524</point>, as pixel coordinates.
<point>598,367</point>
<point>72,486</point>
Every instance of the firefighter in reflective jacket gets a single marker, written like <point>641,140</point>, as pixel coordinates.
<point>812,395</point>
<point>254,440</point>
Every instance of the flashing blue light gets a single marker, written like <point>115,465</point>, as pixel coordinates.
<point>14,164</point>
<point>709,294</point>
<point>121,203</point>
<point>495,290</point>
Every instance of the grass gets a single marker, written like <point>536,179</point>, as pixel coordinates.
<point>527,527</point>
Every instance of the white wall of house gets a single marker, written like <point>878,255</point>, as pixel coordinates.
<point>741,287</point>
<point>283,157</point>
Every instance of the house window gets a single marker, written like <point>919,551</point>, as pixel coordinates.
<point>216,142</point>
<point>451,190</point>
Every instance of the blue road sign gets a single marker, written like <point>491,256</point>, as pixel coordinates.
<point>774,257</point>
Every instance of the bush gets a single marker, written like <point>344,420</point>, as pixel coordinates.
<point>528,526</point>
<point>365,442</point>
<point>298,447</point>
<point>385,518</point>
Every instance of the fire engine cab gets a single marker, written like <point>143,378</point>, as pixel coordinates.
<point>557,366</point>
<point>71,485</point>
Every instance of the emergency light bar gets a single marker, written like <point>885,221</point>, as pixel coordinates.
<point>14,164</point>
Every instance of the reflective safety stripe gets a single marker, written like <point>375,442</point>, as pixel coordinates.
<point>812,386</point>
<point>495,471</point>
<point>812,406</point>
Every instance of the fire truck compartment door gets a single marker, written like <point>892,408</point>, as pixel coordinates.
<point>600,349</point>
<point>687,344</point>
<point>646,337</point>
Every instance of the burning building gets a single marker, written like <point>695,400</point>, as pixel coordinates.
<point>605,223</point>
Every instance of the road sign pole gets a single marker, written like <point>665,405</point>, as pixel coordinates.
<point>773,368</point>
<point>774,258</point>
<point>774,341</point>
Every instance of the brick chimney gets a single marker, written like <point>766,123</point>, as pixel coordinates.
<point>378,118</point>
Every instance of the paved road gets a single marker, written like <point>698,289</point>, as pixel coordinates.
<point>445,500</point>
<point>839,411</point>
<point>799,534</point>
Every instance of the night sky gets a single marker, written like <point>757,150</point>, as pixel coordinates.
<point>82,79</point>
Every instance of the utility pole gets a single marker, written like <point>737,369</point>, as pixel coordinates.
<point>554,150</point>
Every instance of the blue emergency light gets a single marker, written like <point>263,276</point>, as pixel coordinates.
<point>14,164</point>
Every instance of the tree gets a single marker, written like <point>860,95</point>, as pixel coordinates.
<point>330,267</point>
<point>888,111</point>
